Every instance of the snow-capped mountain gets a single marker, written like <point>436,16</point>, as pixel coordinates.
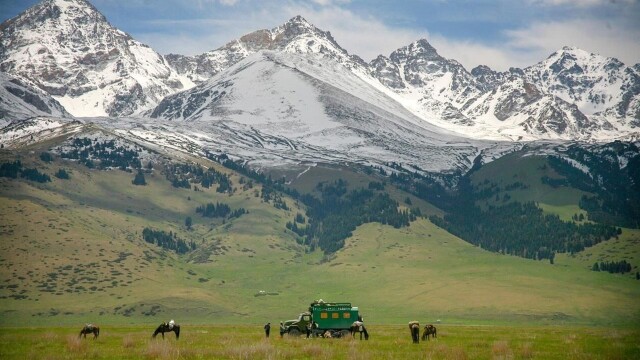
<point>599,86</point>
<point>68,49</point>
<point>305,107</point>
<point>518,108</point>
<point>437,86</point>
<point>482,103</point>
<point>295,36</point>
<point>292,93</point>
<point>20,100</point>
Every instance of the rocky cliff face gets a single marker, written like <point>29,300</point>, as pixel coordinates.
<point>601,87</point>
<point>19,99</point>
<point>439,86</point>
<point>295,36</point>
<point>68,49</point>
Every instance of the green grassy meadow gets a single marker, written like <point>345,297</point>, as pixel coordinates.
<point>71,252</point>
<point>386,342</point>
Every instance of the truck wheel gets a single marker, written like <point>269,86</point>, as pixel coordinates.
<point>294,331</point>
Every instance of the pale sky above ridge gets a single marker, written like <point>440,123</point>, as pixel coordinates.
<point>500,33</point>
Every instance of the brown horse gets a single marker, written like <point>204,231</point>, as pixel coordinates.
<point>167,327</point>
<point>90,329</point>
<point>358,327</point>
<point>429,330</point>
<point>414,328</point>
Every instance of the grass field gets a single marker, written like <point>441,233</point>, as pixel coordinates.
<point>71,253</point>
<point>386,342</point>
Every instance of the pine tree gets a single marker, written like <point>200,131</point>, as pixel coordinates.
<point>188,222</point>
<point>62,174</point>
<point>46,157</point>
<point>139,179</point>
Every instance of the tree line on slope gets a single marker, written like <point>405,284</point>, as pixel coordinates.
<point>168,241</point>
<point>614,267</point>
<point>15,168</point>
<point>101,154</point>
<point>615,185</point>
<point>335,213</point>
<point>513,228</point>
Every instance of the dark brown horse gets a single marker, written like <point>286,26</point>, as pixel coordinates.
<point>90,329</point>
<point>414,328</point>
<point>429,330</point>
<point>358,327</point>
<point>167,327</point>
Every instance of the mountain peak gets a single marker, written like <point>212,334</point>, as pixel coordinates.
<point>422,46</point>
<point>423,43</point>
<point>298,20</point>
<point>417,49</point>
<point>62,13</point>
<point>571,56</point>
<point>71,7</point>
<point>69,49</point>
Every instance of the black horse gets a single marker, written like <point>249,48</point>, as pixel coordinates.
<point>90,329</point>
<point>414,328</point>
<point>358,327</point>
<point>165,327</point>
<point>429,330</point>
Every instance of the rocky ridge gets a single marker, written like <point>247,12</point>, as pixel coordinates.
<point>68,49</point>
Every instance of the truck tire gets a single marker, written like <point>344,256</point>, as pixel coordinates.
<point>294,331</point>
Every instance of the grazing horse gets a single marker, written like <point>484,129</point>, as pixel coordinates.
<point>414,328</point>
<point>90,329</point>
<point>168,327</point>
<point>429,330</point>
<point>358,326</point>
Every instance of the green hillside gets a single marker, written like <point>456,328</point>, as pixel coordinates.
<point>72,252</point>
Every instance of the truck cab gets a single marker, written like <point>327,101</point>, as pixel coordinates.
<point>297,326</point>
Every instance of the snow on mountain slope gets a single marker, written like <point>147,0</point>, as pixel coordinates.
<point>598,85</point>
<point>295,36</point>
<point>517,108</point>
<point>67,48</point>
<point>438,87</point>
<point>437,90</point>
<point>20,100</point>
<point>305,106</point>
<point>286,89</point>
<point>20,133</point>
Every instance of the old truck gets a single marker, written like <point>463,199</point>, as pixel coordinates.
<point>333,317</point>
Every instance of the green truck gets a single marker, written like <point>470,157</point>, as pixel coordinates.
<point>333,317</point>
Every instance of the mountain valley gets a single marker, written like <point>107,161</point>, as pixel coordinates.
<point>280,169</point>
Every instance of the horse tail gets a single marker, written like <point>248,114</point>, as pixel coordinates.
<point>97,331</point>
<point>176,328</point>
<point>366,334</point>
